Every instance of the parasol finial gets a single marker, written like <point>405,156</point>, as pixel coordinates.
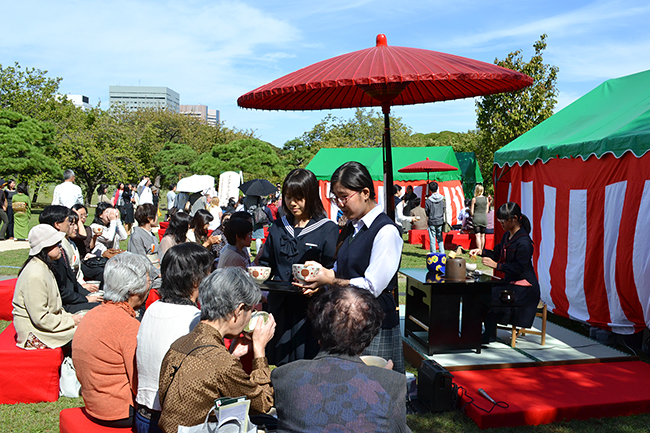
<point>381,40</point>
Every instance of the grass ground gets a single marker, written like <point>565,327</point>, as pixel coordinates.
<point>43,417</point>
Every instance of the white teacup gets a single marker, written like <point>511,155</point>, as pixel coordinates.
<point>259,273</point>
<point>470,267</point>
<point>300,272</point>
<point>257,315</point>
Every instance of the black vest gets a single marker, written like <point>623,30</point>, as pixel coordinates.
<point>353,259</point>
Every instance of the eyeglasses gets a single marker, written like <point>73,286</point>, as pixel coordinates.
<point>342,201</point>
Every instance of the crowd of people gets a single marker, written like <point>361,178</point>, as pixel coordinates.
<point>162,367</point>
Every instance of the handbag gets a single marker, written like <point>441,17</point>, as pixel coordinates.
<point>446,228</point>
<point>69,386</point>
<point>232,418</point>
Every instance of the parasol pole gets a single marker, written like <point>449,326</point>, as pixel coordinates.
<point>388,165</point>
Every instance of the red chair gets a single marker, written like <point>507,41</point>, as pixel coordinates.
<point>75,420</point>
<point>27,376</point>
<point>6,297</point>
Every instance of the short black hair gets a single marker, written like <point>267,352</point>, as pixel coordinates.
<point>345,319</point>
<point>396,188</point>
<point>237,227</point>
<point>22,188</point>
<point>354,176</point>
<point>145,212</point>
<point>53,214</point>
<point>433,187</point>
<point>302,184</point>
<point>182,269</point>
<point>99,210</point>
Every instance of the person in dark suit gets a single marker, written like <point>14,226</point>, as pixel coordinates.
<point>336,391</point>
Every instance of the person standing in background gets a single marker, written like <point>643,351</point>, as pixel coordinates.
<point>171,197</point>
<point>478,210</point>
<point>102,197</point>
<point>67,193</point>
<point>9,193</point>
<point>4,219</point>
<point>22,209</point>
<point>144,191</point>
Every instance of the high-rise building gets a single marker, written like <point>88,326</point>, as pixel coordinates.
<point>214,117</point>
<point>139,97</point>
<point>202,112</point>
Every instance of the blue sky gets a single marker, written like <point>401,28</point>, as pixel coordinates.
<point>211,52</point>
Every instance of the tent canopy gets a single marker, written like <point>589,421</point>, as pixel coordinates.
<point>612,118</point>
<point>328,160</point>
<point>470,171</point>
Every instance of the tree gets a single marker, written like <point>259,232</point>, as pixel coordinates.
<point>99,148</point>
<point>459,141</point>
<point>30,92</point>
<point>255,158</point>
<point>27,150</point>
<point>174,161</point>
<point>505,116</point>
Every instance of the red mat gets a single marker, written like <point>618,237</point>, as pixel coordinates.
<point>541,395</point>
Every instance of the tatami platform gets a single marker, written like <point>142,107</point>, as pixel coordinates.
<point>563,346</point>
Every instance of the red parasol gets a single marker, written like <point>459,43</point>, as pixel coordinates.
<point>427,166</point>
<point>384,76</point>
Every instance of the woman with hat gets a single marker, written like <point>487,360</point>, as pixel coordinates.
<point>39,317</point>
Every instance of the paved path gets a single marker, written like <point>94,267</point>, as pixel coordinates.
<point>13,245</point>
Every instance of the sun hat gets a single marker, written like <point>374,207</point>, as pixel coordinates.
<point>43,236</point>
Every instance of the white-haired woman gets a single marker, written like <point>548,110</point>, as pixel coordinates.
<point>187,391</point>
<point>103,350</point>
<point>39,317</point>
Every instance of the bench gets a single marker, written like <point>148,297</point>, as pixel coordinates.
<point>6,298</point>
<point>27,376</point>
<point>453,239</point>
<point>74,420</point>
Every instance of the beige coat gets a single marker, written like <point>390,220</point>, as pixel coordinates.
<point>38,308</point>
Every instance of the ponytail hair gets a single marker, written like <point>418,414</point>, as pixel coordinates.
<point>513,210</point>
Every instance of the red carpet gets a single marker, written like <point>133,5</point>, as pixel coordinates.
<point>541,395</point>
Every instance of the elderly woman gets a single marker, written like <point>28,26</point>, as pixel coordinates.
<point>103,349</point>
<point>336,391</point>
<point>174,315</point>
<point>190,384</point>
<point>39,317</point>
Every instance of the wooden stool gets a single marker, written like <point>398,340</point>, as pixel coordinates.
<point>516,332</point>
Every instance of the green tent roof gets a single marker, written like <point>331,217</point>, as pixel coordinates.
<point>328,160</point>
<point>612,118</point>
<point>470,170</point>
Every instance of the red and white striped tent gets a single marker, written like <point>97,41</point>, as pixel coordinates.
<point>450,184</point>
<point>583,179</point>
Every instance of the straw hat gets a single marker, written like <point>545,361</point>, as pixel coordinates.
<point>43,236</point>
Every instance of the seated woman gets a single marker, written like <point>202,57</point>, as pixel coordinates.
<point>199,227</point>
<point>313,395</point>
<point>108,225</point>
<point>176,233</point>
<point>76,297</point>
<point>190,384</point>
<point>39,317</point>
<point>512,256</point>
<point>103,348</point>
<point>174,315</point>
<point>85,240</point>
<point>239,233</point>
<point>144,242</point>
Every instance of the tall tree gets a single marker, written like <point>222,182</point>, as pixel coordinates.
<point>505,116</point>
<point>31,92</point>
<point>174,161</point>
<point>27,150</point>
<point>99,148</point>
<point>255,158</point>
